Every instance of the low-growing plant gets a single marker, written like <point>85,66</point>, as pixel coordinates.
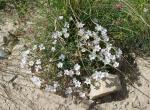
<point>72,57</point>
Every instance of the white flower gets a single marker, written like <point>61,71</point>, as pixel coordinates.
<point>56,34</point>
<point>53,49</point>
<point>96,48</point>
<point>41,46</point>
<point>36,81</point>
<point>87,81</point>
<point>96,41</point>
<point>69,72</point>
<point>31,63</point>
<point>77,73</point>
<point>83,50</point>
<point>82,95</point>
<point>62,57</point>
<point>54,42</point>
<point>98,75</point>
<point>92,56</point>
<point>88,32</point>
<point>56,85</point>
<point>66,25</point>
<point>59,74</point>
<point>66,35</point>
<point>37,68</point>
<point>79,25</point>
<point>60,65</point>
<point>106,60</point>
<point>34,47</point>
<point>86,37</point>
<point>76,83</point>
<point>50,88</point>
<point>81,32</point>
<point>66,72</point>
<point>69,90</point>
<point>60,17</point>
<point>116,64</point>
<point>145,10</point>
<point>70,18</point>
<point>98,28</point>
<point>118,53</point>
<point>104,34</point>
<point>64,30</point>
<point>77,67</point>
<point>38,62</point>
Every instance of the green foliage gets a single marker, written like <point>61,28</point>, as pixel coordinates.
<point>2,4</point>
<point>126,20</point>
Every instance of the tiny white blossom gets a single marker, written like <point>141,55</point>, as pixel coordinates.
<point>38,62</point>
<point>77,83</point>
<point>56,85</point>
<point>77,67</point>
<point>70,18</point>
<point>31,63</point>
<point>60,65</point>
<point>98,27</point>
<point>69,90</point>
<point>145,10</point>
<point>98,75</point>
<point>53,49</point>
<point>64,30</point>
<point>34,47</point>
<point>96,41</point>
<point>56,34</point>
<point>92,56</point>
<point>118,53</point>
<point>66,35</point>
<point>37,68</point>
<point>88,32</point>
<point>83,50</point>
<point>86,37</point>
<point>96,48</point>
<point>62,57</point>
<point>54,42</point>
<point>36,81</point>
<point>50,88</point>
<point>77,73</point>
<point>60,17</point>
<point>79,25</point>
<point>81,32</point>
<point>66,72</point>
<point>59,74</point>
<point>66,25</point>
<point>41,46</point>
<point>87,81</point>
<point>116,64</point>
<point>69,72</point>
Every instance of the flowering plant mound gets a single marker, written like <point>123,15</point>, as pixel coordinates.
<point>72,57</point>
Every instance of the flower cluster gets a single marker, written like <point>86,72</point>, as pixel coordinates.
<point>74,58</point>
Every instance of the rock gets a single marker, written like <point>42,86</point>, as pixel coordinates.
<point>3,54</point>
<point>108,85</point>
